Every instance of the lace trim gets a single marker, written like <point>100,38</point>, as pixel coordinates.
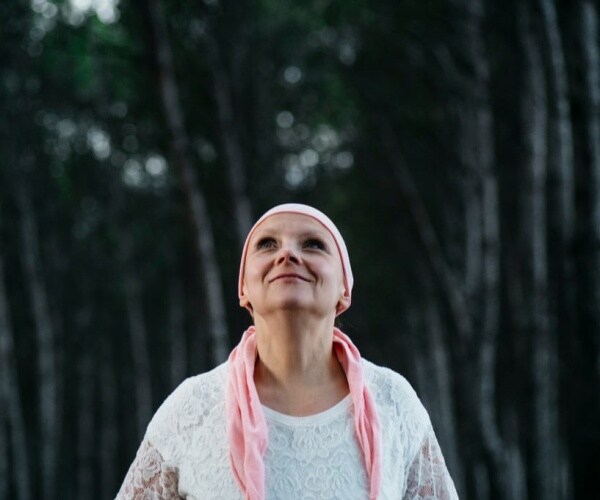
<point>428,477</point>
<point>149,478</point>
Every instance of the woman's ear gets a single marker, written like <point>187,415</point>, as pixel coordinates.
<point>244,301</point>
<point>343,303</point>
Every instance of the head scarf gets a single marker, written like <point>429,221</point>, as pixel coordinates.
<point>297,208</point>
<point>246,424</point>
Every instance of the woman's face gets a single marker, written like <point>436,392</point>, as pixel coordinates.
<point>292,263</point>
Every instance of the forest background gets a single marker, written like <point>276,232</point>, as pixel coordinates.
<point>456,143</point>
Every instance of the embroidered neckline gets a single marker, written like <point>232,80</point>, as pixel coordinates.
<point>320,418</point>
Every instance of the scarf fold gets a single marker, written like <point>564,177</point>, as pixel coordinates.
<point>247,426</point>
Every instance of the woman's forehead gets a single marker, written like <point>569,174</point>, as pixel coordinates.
<point>291,224</point>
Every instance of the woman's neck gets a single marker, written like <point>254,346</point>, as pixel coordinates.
<point>296,370</point>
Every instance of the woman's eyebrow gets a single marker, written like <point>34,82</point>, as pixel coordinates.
<point>309,233</point>
<point>262,233</point>
<point>312,233</point>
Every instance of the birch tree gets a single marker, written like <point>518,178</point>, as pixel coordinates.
<point>12,423</point>
<point>46,353</point>
<point>561,128</point>
<point>590,42</point>
<point>138,333</point>
<point>482,245</point>
<point>229,126</point>
<point>549,471</point>
<point>3,446</point>
<point>535,118</point>
<point>195,198</point>
<point>445,279</point>
<point>177,339</point>
<point>86,422</point>
<point>109,427</point>
<point>439,364</point>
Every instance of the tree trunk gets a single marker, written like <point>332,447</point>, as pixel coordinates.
<point>482,207</point>
<point>85,406</point>
<point>137,334</point>
<point>46,357</point>
<point>482,481</point>
<point>203,234</point>
<point>234,155</point>
<point>426,233</point>
<point>439,365</point>
<point>590,40</point>
<point>177,330</point>
<point>451,288</point>
<point>561,131</point>
<point>108,421</point>
<point>4,485</point>
<point>560,223</point>
<point>543,374</point>
<point>12,423</point>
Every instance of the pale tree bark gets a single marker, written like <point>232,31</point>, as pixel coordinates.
<point>3,445</point>
<point>561,131</point>
<point>483,235</point>
<point>177,336</point>
<point>234,155</point>
<point>203,233</point>
<point>468,154</point>
<point>439,367</point>
<point>535,119</point>
<point>482,231</point>
<point>560,282</point>
<point>418,348</point>
<point>12,424</point>
<point>109,434</point>
<point>431,357</point>
<point>138,334</point>
<point>590,41</point>
<point>46,355</point>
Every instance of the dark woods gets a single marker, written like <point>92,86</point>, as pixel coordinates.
<point>455,142</point>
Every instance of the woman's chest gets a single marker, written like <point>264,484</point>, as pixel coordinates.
<point>303,462</point>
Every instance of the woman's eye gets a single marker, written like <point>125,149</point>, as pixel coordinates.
<point>265,243</point>
<point>314,243</point>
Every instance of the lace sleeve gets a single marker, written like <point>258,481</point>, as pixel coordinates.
<point>149,477</point>
<point>428,476</point>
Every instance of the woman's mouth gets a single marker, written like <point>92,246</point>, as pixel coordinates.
<point>289,276</point>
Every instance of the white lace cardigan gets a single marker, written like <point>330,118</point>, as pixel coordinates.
<point>184,453</point>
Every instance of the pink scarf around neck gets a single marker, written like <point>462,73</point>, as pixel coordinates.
<point>247,427</point>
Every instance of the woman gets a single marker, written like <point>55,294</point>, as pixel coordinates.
<point>295,412</point>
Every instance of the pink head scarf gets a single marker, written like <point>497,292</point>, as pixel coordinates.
<point>297,208</point>
<point>246,424</point>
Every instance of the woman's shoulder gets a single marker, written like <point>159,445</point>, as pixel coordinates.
<point>395,397</point>
<point>189,403</point>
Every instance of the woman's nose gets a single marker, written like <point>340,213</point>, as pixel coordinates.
<point>288,253</point>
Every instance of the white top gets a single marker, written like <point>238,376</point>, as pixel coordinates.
<point>185,452</point>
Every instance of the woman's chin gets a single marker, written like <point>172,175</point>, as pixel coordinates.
<point>297,307</point>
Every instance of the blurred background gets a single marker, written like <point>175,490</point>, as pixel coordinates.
<point>456,143</point>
